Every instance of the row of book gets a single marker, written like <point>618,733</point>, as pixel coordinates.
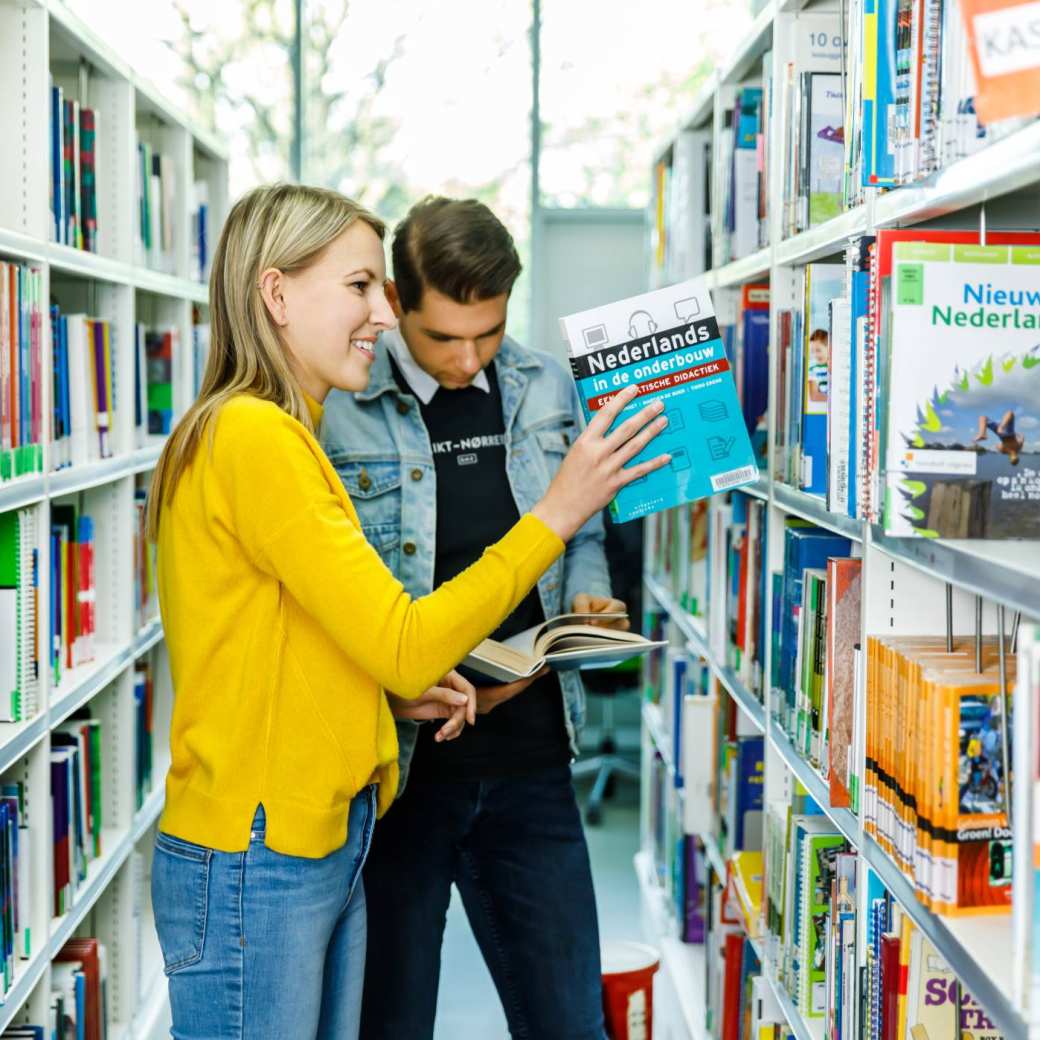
<point>893,401</point>
<point>153,380</point>
<point>73,171</point>
<point>146,603</point>
<point>77,805</point>
<point>144,699</point>
<point>16,940</point>
<point>73,590</point>
<point>937,768</point>
<point>21,370</point>
<point>681,243</point>
<point>739,226</point>
<point>916,103</point>
<point>19,615</point>
<point>744,326</point>
<point>84,412</point>
<point>77,1008</point>
<point>155,195</point>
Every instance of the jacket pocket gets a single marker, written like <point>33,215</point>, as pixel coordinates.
<point>375,490</point>
<point>180,894</point>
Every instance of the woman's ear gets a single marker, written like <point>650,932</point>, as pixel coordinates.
<point>270,286</point>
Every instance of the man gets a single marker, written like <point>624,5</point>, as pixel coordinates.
<point>459,432</point>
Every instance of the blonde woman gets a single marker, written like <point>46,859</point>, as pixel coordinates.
<point>284,628</point>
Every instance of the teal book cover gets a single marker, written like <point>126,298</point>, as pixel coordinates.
<point>667,343</point>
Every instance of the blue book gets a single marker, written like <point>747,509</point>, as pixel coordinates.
<point>667,343</point>
<point>754,366</point>
<point>680,665</point>
<point>805,546</point>
<point>749,788</point>
<point>81,1005</point>
<point>879,93</point>
<point>57,165</point>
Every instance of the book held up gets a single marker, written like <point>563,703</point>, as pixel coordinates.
<point>565,642</point>
<point>667,343</point>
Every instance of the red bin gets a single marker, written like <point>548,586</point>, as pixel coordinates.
<point>628,989</point>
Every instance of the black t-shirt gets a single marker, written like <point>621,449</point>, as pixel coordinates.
<point>475,508</point>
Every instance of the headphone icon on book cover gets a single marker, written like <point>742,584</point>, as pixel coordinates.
<point>633,324</point>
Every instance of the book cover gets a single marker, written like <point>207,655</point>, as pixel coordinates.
<point>825,154</point>
<point>753,366</point>
<point>962,431</point>
<point>666,342</point>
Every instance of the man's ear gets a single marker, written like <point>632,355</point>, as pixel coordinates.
<point>393,298</point>
<point>270,286</point>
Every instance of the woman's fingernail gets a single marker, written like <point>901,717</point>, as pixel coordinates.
<point>658,406</point>
<point>663,421</point>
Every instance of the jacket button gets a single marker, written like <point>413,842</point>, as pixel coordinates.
<point>416,474</point>
<point>409,548</point>
<point>402,407</point>
<point>364,481</point>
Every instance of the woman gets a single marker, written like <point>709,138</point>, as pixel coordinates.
<point>284,628</point>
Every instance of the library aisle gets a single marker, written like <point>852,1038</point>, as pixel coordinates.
<point>840,746</point>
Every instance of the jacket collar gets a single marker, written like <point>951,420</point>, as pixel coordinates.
<point>511,357</point>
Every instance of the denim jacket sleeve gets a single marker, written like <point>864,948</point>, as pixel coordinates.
<point>585,561</point>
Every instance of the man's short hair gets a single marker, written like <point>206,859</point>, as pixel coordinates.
<point>457,247</point>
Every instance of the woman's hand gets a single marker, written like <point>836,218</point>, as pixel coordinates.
<point>594,470</point>
<point>490,697</point>
<point>453,698</point>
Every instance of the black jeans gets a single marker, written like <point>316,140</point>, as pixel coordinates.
<point>516,850</point>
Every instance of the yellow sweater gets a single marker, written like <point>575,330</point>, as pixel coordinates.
<point>284,626</point>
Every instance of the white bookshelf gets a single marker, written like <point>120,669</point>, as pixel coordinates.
<point>40,39</point>
<point>904,579</point>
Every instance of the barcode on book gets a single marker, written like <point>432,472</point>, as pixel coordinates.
<point>732,477</point>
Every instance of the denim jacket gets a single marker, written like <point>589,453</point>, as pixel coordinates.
<point>377,442</point>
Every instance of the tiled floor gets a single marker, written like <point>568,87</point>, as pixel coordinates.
<point>468,1007</point>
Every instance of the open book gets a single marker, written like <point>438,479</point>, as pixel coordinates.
<point>563,642</point>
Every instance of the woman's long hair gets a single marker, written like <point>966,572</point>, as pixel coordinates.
<point>286,226</point>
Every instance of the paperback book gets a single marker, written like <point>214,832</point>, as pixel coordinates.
<point>667,343</point>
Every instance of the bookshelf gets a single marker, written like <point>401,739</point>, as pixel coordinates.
<point>905,580</point>
<point>127,284</point>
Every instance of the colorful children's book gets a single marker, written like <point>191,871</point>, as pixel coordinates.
<point>962,436</point>
<point>667,343</point>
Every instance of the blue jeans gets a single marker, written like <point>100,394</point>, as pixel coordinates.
<point>515,848</point>
<point>262,946</point>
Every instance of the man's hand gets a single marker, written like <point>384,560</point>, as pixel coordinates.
<point>490,697</point>
<point>453,698</point>
<point>587,604</point>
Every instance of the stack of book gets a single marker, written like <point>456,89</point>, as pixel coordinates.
<point>143,716</point>
<point>84,406</point>
<point>812,107</point>
<point>79,991</point>
<point>677,543</point>
<point>77,805</point>
<point>146,604</point>
<point>739,226</point>
<point>936,782</point>
<point>21,370</point>
<point>892,401</point>
<point>153,380</point>
<point>681,246</point>
<point>156,189</point>
<point>73,171</point>
<point>738,558</point>
<point>73,592</point>
<point>16,882</point>
<point>19,615</point>
<point>200,232</point>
